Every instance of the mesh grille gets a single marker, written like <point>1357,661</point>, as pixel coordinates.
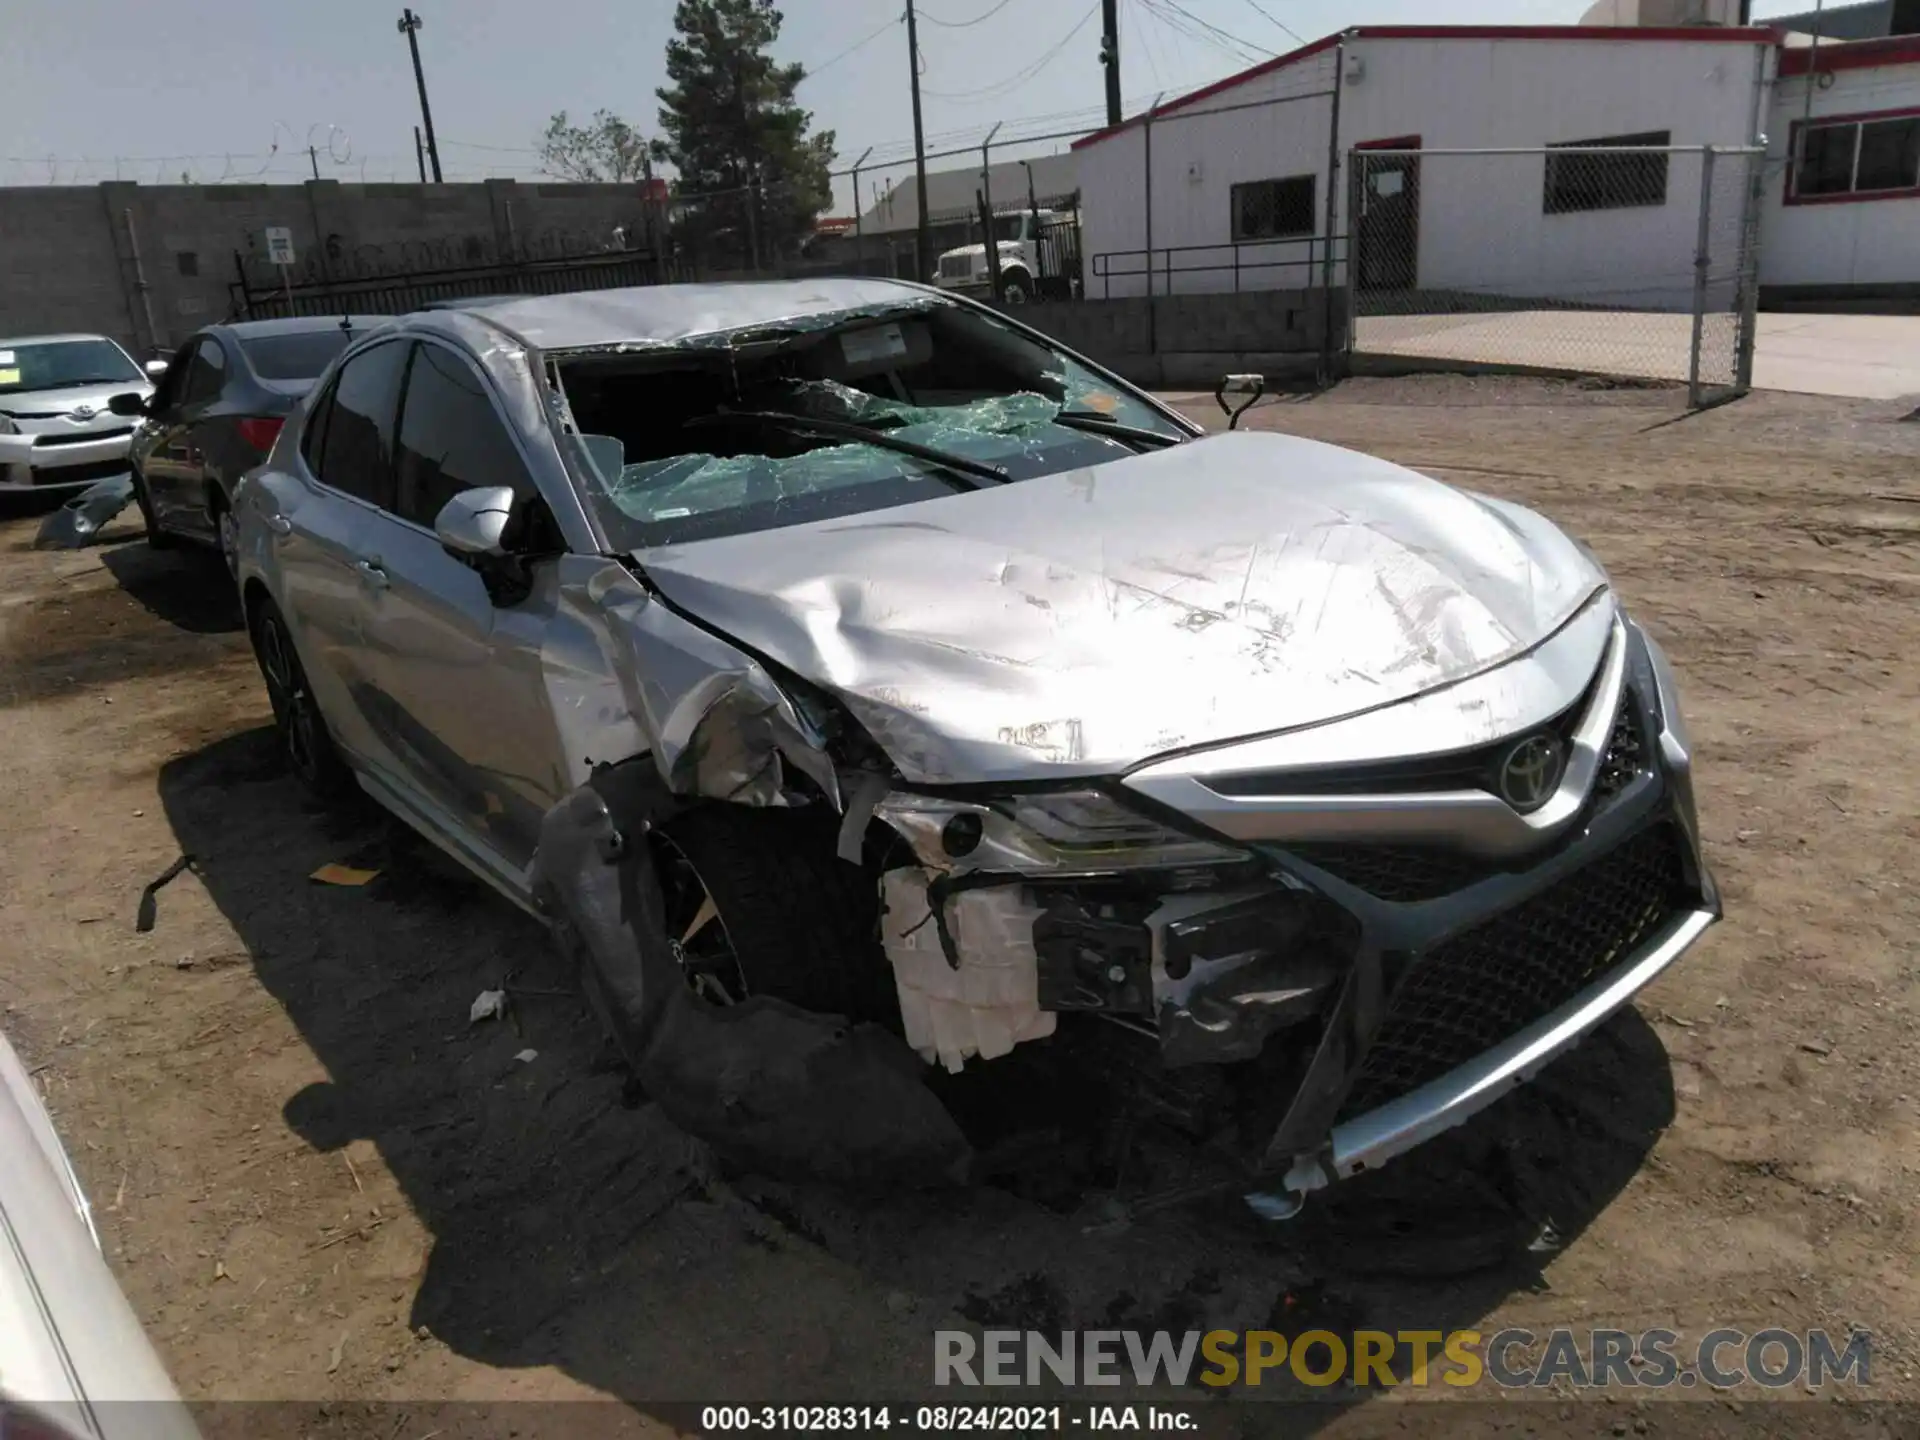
<point>1482,987</point>
<point>1398,873</point>
<point>1625,757</point>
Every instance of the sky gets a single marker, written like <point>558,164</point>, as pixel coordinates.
<point>239,90</point>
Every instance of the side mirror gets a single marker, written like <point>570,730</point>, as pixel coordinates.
<point>156,369</point>
<point>129,403</point>
<point>473,524</point>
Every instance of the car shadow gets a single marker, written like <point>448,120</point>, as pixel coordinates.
<point>187,587</point>
<point>574,1227</point>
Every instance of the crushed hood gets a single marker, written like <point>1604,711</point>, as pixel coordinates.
<point>1083,622</point>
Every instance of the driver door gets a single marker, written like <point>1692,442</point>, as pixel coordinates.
<point>458,686</point>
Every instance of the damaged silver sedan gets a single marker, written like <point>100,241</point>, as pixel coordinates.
<point>863,686</point>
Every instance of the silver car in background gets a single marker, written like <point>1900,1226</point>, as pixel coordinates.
<point>56,430</point>
<point>74,1361</point>
<point>833,651</point>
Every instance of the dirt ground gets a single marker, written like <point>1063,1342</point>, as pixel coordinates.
<point>318,1182</point>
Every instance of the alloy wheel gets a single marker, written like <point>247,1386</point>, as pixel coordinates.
<point>292,705</point>
<point>695,932</point>
<point>229,531</point>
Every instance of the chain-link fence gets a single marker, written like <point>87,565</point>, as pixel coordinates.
<point>1636,259</point>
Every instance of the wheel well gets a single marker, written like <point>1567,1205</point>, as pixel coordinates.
<point>251,595</point>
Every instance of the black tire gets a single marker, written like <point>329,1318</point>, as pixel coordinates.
<point>1016,288</point>
<point>220,518</point>
<point>304,742</point>
<point>157,539</point>
<point>801,923</point>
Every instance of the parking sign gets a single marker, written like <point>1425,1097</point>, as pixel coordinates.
<point>279,244</point>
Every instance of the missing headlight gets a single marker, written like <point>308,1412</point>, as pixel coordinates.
<point>1051,832</point>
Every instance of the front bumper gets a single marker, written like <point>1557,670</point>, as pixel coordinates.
<point>70,464</point>
<point>1374,993</point>
<point>1368,1141</point>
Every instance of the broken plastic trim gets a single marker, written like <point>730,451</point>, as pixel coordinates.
<point>78,523</point>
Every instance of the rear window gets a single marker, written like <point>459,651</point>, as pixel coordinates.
<point>299,356</point>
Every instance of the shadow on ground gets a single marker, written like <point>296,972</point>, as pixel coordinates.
<point>574,1227</point>
<point>187,587</point>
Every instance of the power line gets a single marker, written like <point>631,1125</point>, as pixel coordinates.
<point>1268,16</point>
<point>1020,77</point>
<point>1178,17</point>
<point>1146,44</point>
<point>964,24</point>
<point>865,40</point>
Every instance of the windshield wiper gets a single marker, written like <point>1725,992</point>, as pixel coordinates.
<point>861,434</point>
<point>1097,424</point>
<point>87,380</point>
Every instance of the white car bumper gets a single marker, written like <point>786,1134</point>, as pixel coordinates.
<point>29,462</point>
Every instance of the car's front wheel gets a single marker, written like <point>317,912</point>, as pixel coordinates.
<point>759,903</point>
<point>1016,288</point>
<point>304,741</point>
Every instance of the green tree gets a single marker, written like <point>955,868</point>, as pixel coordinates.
<point>605,150</point>
<point>731,125</point>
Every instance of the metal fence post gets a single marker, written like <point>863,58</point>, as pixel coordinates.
<point>1333,212</point>
<point>1702,260</point>
<point>1747,335</point>
<point>1146,147</point>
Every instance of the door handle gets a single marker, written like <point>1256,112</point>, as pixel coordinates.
<point>279,525</point>
<point>372,574</point>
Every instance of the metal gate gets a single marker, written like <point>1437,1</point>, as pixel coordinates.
<point>1637,259</point>
<point>1058,247</point>
<point>399,291</point>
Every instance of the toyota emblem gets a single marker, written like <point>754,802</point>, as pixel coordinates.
<point>83,412</point>
<point>1530,773</point>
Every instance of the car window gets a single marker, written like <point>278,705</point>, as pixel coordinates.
<point>671,464</point>
<point>62,364</point>
<point>313,436</point>
<point>300,355</point>
<point>451,437</point>
<point>206,373</point>
<point>173,384</point>
<point>358,456</point>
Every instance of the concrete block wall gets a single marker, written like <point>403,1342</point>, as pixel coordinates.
<point>1193,340</point>
<point>149,264</point>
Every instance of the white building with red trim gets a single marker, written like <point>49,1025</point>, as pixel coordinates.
<point>1841,222</point>
<point>1228,187</point>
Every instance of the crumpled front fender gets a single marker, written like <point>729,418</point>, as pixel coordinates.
<point>770,1086</point>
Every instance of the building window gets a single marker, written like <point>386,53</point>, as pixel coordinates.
<point>1607,182</point>
<point>1273,209</point>
<point>1860,156</point>
<point>188,262</point>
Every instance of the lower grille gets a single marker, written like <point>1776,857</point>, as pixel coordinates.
<point>48,442</point>
<point>1482,987</point>
<point>80,474</point>
<point>1399,873</point>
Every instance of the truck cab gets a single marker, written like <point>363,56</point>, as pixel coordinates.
<point>1018,234</point>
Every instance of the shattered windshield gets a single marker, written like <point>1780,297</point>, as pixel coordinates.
<point>688,444</point>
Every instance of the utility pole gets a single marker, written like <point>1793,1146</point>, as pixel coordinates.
<point>410,27</point>
<point>420,154</point>
<point>314,156</point>
<point>1110,55</point>
<point>923,239</point>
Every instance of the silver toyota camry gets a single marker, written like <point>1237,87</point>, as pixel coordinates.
<point>863,686</point>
